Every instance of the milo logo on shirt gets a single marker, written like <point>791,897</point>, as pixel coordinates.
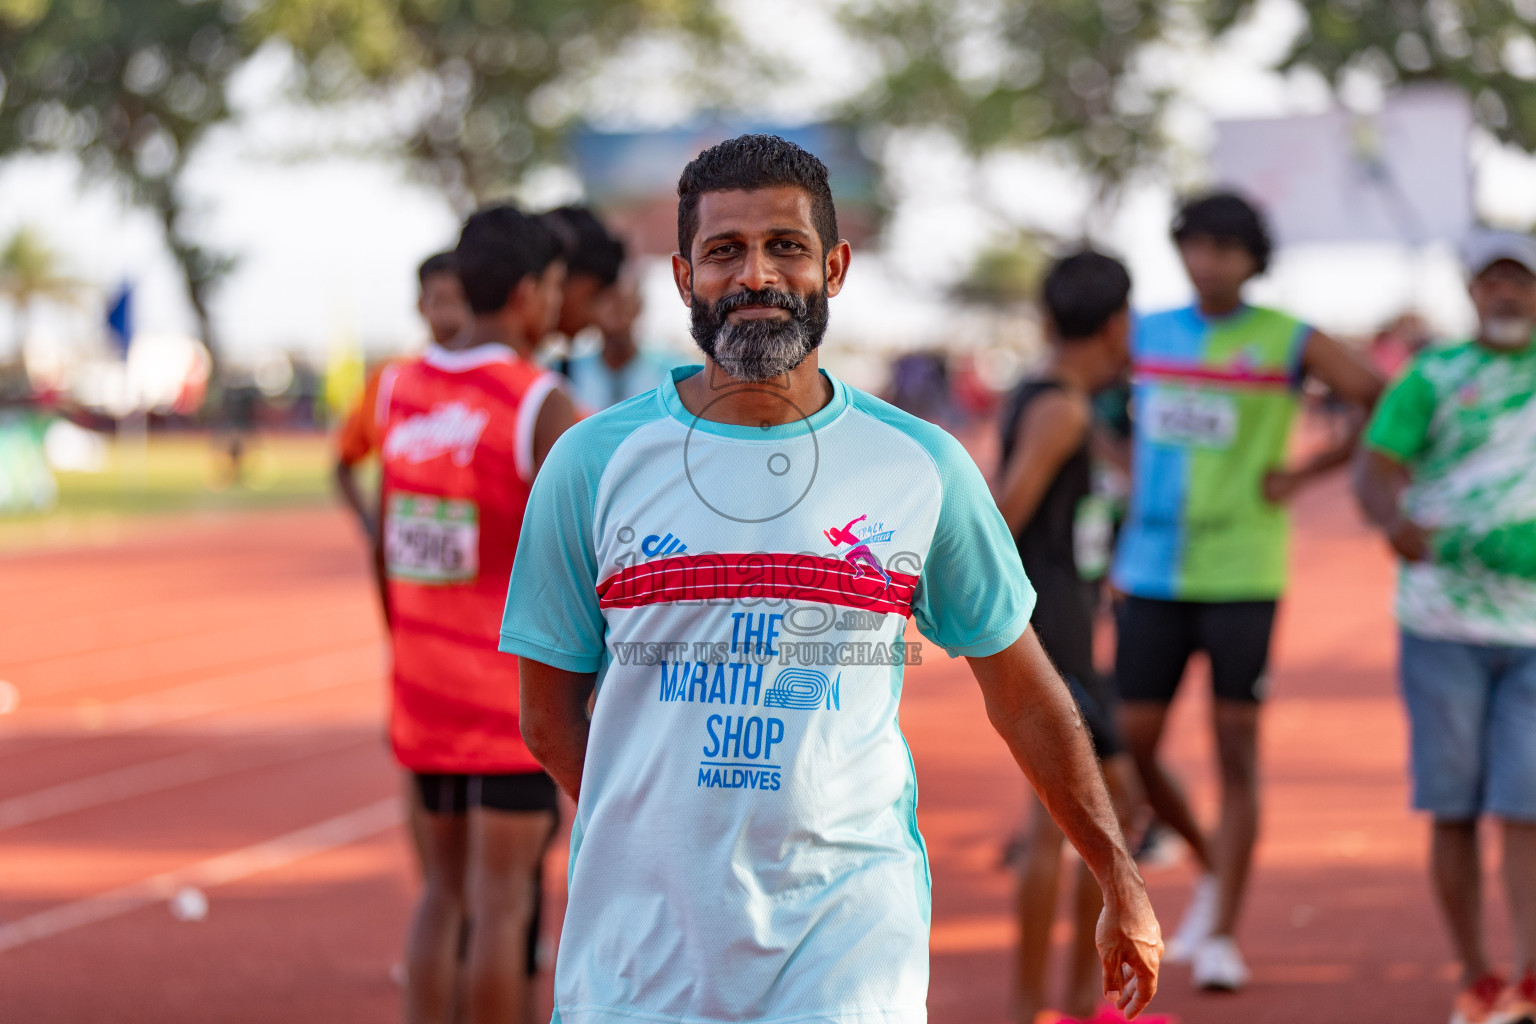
<point>450,428</point>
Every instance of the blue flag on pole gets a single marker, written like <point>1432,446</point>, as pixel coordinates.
<point>120,319</point>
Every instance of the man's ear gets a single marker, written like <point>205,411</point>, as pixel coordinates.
<point>837,266</point>
<point>682,276</point>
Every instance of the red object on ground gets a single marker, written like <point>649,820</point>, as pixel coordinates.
<point>202,703</point>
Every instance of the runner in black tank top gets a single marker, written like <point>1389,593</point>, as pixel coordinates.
<point>1063,616</point>
<point>1046,474</point>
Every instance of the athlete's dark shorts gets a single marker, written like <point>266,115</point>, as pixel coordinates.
<point>524,791</point>
<point>1156,639</point>
<point>1098,710</point>
<point>456,794</point>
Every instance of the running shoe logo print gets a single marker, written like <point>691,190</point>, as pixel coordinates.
<point>450,428</point>
<point>860,557</point>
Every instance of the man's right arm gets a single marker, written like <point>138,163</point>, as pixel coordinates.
<point>352,495</point>
<point>553,719</point>
<point>1398,430</point>
<point>1379,484</point>
<point>1051,429</point>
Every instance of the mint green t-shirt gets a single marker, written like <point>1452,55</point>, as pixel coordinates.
<point>1462,420</point>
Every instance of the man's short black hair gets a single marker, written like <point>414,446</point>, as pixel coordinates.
<point>750,162</point>
<point>1082,291</point>
<point>589,247</point>
<point>1226,215</point>
<point>499,246</point>
<point>437,263</point>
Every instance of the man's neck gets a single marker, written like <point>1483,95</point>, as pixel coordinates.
<point>1072,367</point>
<point>489,330</point>
<point>1224,305</point>
<point>1503,350</point>
<point>715,395</point>
<point>618,351</point>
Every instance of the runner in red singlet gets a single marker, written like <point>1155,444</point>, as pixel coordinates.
<point>463,430</point>
<point>440,301</point>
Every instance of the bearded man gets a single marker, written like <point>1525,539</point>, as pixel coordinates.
<point>746,844</point>
<point>1446,476</point>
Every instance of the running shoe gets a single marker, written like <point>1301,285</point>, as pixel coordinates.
<point>1199,919</point>
<point>1219,967</point>
<point>1477,1003</point>
<point>1160,847</point>
<point>1517,1003</point>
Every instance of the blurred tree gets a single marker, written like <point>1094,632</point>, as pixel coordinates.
<point>30,270</point>
<point>1488,47</point>
<point>1005,274</point>
<point>488,88</point>
<point>1074,75</point>
<point>129,87</point>
<point>1003,74</point>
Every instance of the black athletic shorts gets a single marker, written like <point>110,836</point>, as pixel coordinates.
<point>1097,706</point>
<point>1156,639</point>
<point>524,791</point>
<point>456,794</point>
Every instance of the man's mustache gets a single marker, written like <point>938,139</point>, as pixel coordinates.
<point>760,297</point>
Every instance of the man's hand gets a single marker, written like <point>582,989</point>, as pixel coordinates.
<point>1130,945</point>
<point>1281,485</point>
<point>1409,540</point>
<point>1031,708</point>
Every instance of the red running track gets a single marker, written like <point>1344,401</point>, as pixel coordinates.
<point>201,701</point>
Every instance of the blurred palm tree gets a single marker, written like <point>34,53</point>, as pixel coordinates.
<point>29,271</point>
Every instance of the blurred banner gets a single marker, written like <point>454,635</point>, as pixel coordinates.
<point>345,374</point>
<point>632,176</point>
<point>1402,175</point>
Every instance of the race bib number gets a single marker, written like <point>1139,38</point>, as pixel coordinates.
<point>1190,419</point>
<point>1093,536</point>
<point>431,540</point>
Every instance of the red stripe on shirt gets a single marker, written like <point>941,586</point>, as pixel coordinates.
<point>1156,370</point>
<point>729,576</point>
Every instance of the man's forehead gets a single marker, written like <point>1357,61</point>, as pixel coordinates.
<point>1506,270</point>
<point>755,210</point>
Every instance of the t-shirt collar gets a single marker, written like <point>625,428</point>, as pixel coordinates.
<point>815,421</point>
<point>468,358</point>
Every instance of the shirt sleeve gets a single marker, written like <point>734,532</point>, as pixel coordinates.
<point>358,436</point>
<point>1399,427</point>
<point>972,597</point>
<point>552,615</point>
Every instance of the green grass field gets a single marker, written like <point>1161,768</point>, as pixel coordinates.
<point>176,474</point>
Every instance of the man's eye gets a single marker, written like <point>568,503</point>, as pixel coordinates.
<point>723,250</point>
<point>785,245</point>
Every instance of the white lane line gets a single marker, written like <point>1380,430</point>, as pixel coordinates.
<point>229,867</point>
<point>274,657</point>
<point>142,779</point>
<point>139,713</point>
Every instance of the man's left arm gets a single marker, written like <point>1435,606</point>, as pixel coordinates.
<point>1030,707</point>
<point>1349,376</point>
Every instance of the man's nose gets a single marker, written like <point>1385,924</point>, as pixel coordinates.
<point>757,270</point>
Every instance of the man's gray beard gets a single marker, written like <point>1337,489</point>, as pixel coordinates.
<point>1508,331</point>
<point>755,351</point>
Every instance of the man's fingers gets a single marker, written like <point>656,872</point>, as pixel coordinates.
<point>1128,995</point>
<point>1145,986</point>
<point>1112,980</point>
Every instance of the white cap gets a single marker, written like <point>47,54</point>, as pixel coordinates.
<point>1483,248</point>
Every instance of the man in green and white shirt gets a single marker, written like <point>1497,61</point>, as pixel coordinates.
<point>1449,475</point>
